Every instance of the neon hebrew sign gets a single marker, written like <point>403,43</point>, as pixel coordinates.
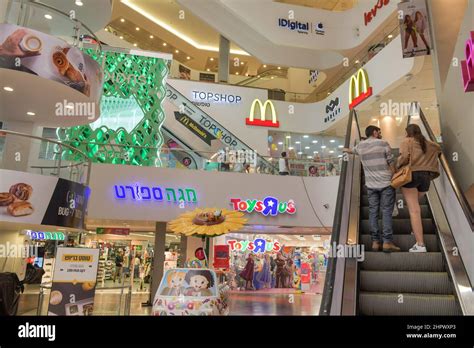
<point>39,235</point>
<point>467,66</point>
<point>268,206</point>
<point>251,121</point>
<point>359,88</point>
<point>155,193</point>
<point>258,245</point>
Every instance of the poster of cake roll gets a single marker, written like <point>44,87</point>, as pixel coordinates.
<point>38,199</point>
<point>37,53</point>
<point>74,280</point>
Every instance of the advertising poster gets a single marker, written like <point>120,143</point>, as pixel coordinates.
<point>184,73</point>
<point>38,199</point>
<point>36,53</point>
<point>414,28</point>
<point>221,256</point>
<point>207,77</point>
<point>74,280</point>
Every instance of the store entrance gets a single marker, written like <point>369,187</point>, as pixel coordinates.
<point>273,274</point>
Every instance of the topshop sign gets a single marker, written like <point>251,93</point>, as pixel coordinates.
<point>209,97</point>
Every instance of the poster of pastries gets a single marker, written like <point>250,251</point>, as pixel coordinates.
<point>74,280</point>
<point>39,199</point>
<point>40,54</point>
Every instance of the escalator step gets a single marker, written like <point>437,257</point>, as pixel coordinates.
<point>365,200</point>
<point>413,304</point>
<point>402,282</point>
<point>404,241</point>
<point>403,261</point>
<point>402,213</point>
<point>400,226</point>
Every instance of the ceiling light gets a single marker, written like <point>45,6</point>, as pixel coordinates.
<point>137,29</point>
<point>48,16</point>
<point>135,45</point>
<point>258,76</point>
<point>208,69</point>
<point>279,68</point>
<point>172,29</point>
<point>374,119</point>
<point>291,148</point>
<point>332,141</point>
<point>272,77</point>
<point>264,65</point>
<point>237,73</point>
<point>340,146</point>
<point>176,51</point>
<point>280,143</point>
<point>306,147</point>
<point>331,151</point>
<point>211,59</point>
<point>305,136</point>
<point>79,3</point>
<point>29,113</point>
<point>165,44</point>
<point>8,89</point>
<point>188,58</point>
<point>242,63</point>
<point>329,93</point>
<point>151,36</point>
<point>315,141</point>
<point>323,146</point>
<point>288,137</point>
<point>297,142</point>
<point>390,36</point>
<point>246,74</point>
<point>122,20</point>
<point>309,157</point>
<point>121,37</point>
<point>357,61</point>
<point>315,152</point>
<point>300,153</point>
<point>106,29</point>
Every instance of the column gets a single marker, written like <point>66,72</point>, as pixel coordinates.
<point>182,251</point>
<point>224,50</point>
<point>159,258</point>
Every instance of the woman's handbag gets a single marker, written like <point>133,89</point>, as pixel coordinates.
<point>404,175</point>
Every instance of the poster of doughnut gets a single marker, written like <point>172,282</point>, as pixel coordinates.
<point>40,54</point>
<point>414,28</point>
<point>74,280</point>
<point>39,199</point>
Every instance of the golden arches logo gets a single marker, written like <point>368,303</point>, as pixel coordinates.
<point>359,88</point>
<point>251,121</point>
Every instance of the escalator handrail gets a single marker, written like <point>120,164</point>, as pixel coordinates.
<point>445,164</point>
<point>268,164</point>
<point>325,308</point>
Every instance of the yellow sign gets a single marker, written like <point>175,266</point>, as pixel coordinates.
<point>251,121</point>
<point>359,88</point>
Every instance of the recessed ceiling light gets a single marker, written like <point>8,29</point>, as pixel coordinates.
<point>264,65</point>
<point>211,59</point>
<point>79,3</point>
<point>246,74</point>
<point>390,36</point>
<point>30,113</point>
<point>315,152</point>
<point>305,136</point>
<point>122,20</point>
<point>151,36</point>
<point>306,147</point>
<point>137,29</point>
<point>300,153</point>
<point>309,157</point>
<point>106,29</point>
<point>280,143</point>
<point>323,146</point>
<point>332,141</point>
<point>208,69</point>
<point>340,146</point>
<point>165,44</point>
<point>331,151</point>
<point>8,89</point>
<point>48,16</point>
<point>297,142</point>
<point>288,137</point>
<point>242,63</point>
<point>176,51</point>
<point>258,76</point>
<point>188,58</point>
<point>374,119</point>
<point>291,148</point>
<point>121,37</point>
<point>329,93</point>
<point>237,73</point>
<point>279,68</point>
<point>357,61</point>
<point>135,45</point>
<point>272,77</point>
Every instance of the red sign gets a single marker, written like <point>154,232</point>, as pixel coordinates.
<point>221,256</point>
<point>199,253</point>
<point>368,16</point>
<point>117,231</point>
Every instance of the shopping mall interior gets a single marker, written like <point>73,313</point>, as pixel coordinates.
<point>183,157</point>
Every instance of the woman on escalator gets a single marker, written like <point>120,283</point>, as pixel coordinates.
<point>425,167</point>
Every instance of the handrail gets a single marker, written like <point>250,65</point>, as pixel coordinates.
<point>255,78</point>
<point>41,4</point>
<point>327,298</point>
<point>444,162</point>
<point>87,160</point>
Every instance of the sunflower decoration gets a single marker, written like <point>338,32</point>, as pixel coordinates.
<point>208,222</point>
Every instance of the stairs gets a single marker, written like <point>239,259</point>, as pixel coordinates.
<point>404,283</point>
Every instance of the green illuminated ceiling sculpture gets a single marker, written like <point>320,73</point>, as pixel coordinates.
<point>137,80</point>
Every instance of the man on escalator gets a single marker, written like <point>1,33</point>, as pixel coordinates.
<point>378,163</point>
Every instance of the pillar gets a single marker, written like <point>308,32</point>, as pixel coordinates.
<point>224,50</point>
<point>159,258</point>
<point>182,251</point>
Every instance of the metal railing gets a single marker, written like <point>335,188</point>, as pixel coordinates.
<point>69,162</point>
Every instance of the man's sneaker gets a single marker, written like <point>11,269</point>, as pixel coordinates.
<point>376,245</point>
<point>418,249</point>
<point>389,247</point>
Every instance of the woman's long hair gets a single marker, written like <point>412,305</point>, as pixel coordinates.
<point>414,131</point>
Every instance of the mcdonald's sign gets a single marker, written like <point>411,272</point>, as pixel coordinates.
<point>251,121</point>
<point>359,88</point>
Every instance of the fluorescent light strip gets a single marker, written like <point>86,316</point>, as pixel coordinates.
<point>176,32</point>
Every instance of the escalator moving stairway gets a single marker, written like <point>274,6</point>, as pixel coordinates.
<point>404,283</point>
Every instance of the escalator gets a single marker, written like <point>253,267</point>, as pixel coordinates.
<point>399,283</point>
